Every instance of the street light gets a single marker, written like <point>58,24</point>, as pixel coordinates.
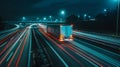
<point>44,19</point>
<point>117,23</point>
<point>50,18</point>
<point>23,18</point>
<point>89,16</point>
<point>105,10</point>
<point>85,15</point>
<point>62,13</point>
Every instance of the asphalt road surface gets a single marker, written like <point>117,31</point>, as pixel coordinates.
<point>31,46</point>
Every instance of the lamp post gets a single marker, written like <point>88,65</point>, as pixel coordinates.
<point>44,19</point>
<point>62,13</point>
<point>85,17</point>
<point>105,12</point>
<point>117,23</point>
<point>50,17</point>
<point>23,18</point>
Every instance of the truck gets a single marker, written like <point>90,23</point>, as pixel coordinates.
<point>60,31</point>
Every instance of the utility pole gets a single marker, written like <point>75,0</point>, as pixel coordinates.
<point>117,23</point>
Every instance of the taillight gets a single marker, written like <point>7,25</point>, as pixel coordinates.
<point>71,37</point>
<point>61,38</point>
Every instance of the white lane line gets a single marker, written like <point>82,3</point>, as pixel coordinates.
<point>99,55</point>
<point>66,65</point>
<point>13,45</point>
<point>3,44</point>
<point>9,56</point>
<point>30,38</point>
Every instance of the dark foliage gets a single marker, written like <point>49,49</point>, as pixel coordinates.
<point>104,23</point>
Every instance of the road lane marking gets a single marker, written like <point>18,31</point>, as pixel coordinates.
<point>66,65</point>
<point>74,58</point>
<point>3,44</point>
<point>30,37</point>
<point>21,52</point>
<point>12,47</point>
<point>15,52</point>
<point>101,56</point>
<point>9,56</point>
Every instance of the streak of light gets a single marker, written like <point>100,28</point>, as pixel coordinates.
<point>98,37</point>
<point>83,55</point>
<point>101,56</point>
<point>61,59</point>
<point>9,56</point>
<point>7,46</point>
<point>15,53</point>
<point>29,54</point>
<point>21,52</point>
<point>111,53</point>
<point>3,44</point>
<point>12,47</point>
<point>99,41</point>
<point>62,48</point>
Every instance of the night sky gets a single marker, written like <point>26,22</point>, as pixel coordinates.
<point>17,8</point>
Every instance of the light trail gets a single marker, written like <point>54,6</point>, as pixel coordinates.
<point>9,56</point>
<point>108,53</point>
<point>95,53</point>
<point>9,63</point>
<point>115,47</point>
<point>3,44</point>
<point>61,59</point>
<point>12,47</point>
<point>30,47</point>
<point>7,37</point>
<point>21,52</point>
<point>8,45</point>
<point>82,55</point>
<point>98,37</point>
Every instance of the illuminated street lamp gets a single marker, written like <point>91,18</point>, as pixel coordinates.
<point>62,13</point>
<point>89,17</point>
<point>44,18</point>
<point>85,16</point>
<point>23,18</point>
<point>105,10</point>
<point>50,18</point>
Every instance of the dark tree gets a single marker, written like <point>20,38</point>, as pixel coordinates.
<point>72,19</point>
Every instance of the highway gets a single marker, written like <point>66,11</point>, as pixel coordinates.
<point>31,46</point>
